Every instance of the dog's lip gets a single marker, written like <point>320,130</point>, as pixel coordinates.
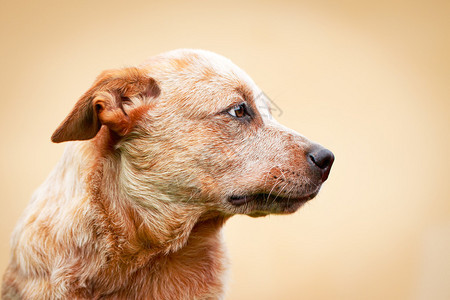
<point>239,200</point>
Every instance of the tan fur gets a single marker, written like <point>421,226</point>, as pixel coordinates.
<point>135,207</point>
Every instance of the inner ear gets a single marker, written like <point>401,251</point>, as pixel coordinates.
<point>110,113</point>
<point>98,108</point>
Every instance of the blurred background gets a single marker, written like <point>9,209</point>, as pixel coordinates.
<point>370,80</point>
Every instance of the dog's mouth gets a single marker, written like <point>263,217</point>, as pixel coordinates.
<point>270,199</point>
<point>262,204</point>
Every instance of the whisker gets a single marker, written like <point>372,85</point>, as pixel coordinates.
<point>273,187</point>
<point>279,192</point>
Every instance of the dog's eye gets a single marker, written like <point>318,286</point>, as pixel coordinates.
<point>238,111</point>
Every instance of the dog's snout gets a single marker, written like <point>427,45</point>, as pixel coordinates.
<point>323,159</point>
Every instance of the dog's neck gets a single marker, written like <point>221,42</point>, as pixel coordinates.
<point>133,236</point>
<point>162,226</point>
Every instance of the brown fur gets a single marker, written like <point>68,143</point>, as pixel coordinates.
<point>135,210</point>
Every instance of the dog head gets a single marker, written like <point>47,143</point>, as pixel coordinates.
<point>190,127</point>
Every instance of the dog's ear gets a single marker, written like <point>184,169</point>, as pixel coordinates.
<point>102,104</point>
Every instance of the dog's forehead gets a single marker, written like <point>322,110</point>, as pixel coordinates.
<point>203,75</point>
<point>201,60</point>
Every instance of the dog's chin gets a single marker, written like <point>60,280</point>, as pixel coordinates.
<point>262,204</point>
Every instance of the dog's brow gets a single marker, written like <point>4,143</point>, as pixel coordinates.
<point>246,93</point>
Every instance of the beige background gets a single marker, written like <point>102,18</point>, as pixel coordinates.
<point>368,79</point>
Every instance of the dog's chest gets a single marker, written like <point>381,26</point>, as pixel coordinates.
<point>197,271</point>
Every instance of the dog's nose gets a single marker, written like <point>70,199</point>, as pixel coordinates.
<point>323,159</point>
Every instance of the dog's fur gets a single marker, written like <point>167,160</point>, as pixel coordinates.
<point>158,163</point>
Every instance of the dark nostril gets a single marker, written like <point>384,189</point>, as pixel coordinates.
<point>322,158</point>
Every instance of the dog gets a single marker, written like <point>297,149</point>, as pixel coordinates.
<point>159,157</point>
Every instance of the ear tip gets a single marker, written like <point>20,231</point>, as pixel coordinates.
<point>56,137</point>
<point>62,135</point>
